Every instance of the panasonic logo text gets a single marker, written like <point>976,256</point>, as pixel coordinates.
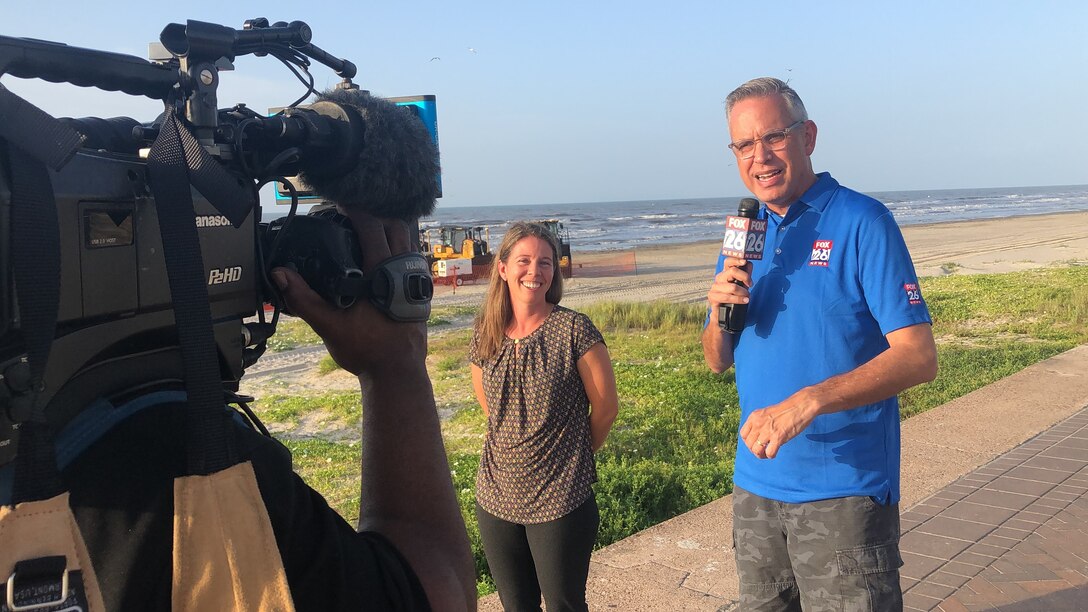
<point>212,221</point>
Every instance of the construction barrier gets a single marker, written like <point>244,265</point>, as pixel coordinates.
<point>596,265</point>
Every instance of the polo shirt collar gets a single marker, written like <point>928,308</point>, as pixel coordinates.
<point>817,198</point>
<point>820,193</point>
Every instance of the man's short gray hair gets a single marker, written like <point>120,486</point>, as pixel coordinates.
<point>768,86</point>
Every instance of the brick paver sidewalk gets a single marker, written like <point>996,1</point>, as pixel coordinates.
<point>1011,535</point>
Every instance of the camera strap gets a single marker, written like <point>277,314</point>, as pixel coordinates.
<point>224,548</point>
<point>35,142</point>
<point>44,563</point>
<point>210,446</point>
<point>35,249</point>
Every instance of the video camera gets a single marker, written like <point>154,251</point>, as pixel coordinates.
<point>115,331</point>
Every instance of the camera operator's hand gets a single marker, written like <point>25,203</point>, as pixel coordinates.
<point>403,459</point>
<point>360,338</point>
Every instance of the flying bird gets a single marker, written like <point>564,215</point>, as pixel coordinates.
<point>472,50</point>
<point>435,58</point>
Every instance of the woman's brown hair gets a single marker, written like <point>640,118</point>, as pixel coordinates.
<point>497,311</point>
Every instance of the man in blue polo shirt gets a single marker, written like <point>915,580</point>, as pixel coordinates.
<point>835,328</point>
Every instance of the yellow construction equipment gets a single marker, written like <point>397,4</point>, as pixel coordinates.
<point>458,253</point>
<point>566,262</point>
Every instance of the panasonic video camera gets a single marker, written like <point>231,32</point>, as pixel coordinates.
<point>115,329</point>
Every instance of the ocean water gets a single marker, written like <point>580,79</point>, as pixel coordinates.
<point>603,226</point>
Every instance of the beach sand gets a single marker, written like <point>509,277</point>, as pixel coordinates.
<point>682,273</point>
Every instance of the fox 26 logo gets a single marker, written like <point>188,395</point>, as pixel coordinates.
<point>914,294</point>
<point>821,253</point>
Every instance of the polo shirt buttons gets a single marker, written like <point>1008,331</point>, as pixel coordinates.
<point>778,251</point>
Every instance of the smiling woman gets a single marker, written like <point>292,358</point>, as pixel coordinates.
<point>544,379</point>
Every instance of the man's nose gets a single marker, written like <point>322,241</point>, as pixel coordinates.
<point>761,152</point>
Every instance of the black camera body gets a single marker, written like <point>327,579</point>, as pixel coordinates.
<point>116,333</point>
<point>115,302</point>
<point>323,249</point>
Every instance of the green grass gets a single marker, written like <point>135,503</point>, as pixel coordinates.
<point>989,326</point>
<point>326,365</point>
<point>331,468</point>
<point>659,316</point>
<point>671,449</point>
<point>950,267</point>
<point>338,408</point>
<point>292,333</point>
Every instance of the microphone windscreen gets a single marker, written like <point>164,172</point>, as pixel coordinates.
<point>396,172</point>
<point>748,207</point>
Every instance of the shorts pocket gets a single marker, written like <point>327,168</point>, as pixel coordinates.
<point>870,578</point>
<point>869,559</point>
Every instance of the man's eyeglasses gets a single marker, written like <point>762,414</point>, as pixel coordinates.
<point>775,141</point>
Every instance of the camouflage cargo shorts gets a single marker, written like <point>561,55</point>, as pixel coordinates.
<point>835,554</point>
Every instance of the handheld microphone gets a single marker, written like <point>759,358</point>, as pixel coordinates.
<point>745,236</point>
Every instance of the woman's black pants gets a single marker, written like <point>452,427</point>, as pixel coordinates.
<point>549,558</point>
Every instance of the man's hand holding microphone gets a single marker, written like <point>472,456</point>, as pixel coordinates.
<point>745,235</point>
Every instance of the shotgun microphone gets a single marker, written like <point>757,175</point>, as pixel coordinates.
<point>387,164</point>
<point>365,154</point>
<point>745,236</point>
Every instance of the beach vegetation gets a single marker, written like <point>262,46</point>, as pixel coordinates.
<point>332,468</point>
<point>989,326</point>
<point>671,449</point>
<point>449,363</point>
<point>452,316</point>
<point>327,365</point>
<point>335,409</point>
<point>950,267</point>
<point>292,333</point>
<point>630,316</point>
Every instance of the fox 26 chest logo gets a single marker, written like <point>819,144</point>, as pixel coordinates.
<point>821,253</point>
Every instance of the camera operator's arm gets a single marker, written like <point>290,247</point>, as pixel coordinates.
<point>407,494</point>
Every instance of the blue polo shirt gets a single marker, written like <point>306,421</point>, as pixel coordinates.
<point>834,279</point>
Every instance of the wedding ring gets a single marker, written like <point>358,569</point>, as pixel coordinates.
<point>758,443</point>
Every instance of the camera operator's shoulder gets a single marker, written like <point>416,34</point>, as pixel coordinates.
<point>329,565</point>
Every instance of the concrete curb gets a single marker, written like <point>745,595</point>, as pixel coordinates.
<point>686,563</point>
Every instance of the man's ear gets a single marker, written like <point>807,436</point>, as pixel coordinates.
<point>810,137</point>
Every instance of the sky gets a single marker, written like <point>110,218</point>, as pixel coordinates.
<point>597,101</point>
